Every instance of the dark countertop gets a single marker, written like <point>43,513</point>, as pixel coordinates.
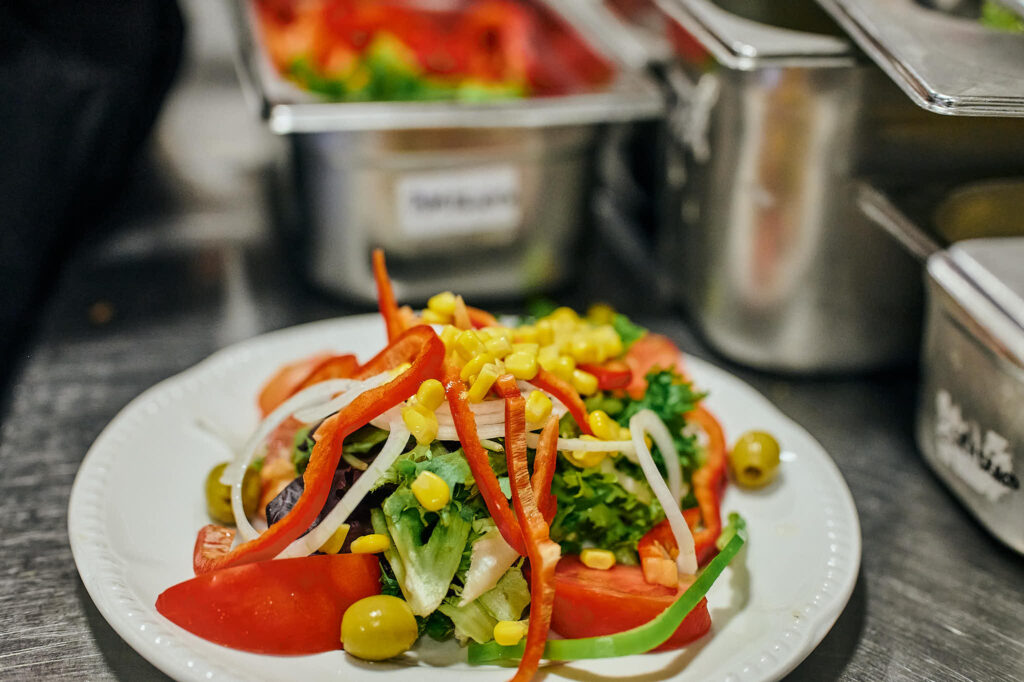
<point>188,266</point>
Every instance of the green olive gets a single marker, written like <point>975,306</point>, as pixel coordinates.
<point>755,459</point>
<point>218,495</point>
<point>378,627</point>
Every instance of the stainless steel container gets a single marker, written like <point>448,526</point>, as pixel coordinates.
<point>970,422</point>
<point>485,198</point>
<point>771,253</point>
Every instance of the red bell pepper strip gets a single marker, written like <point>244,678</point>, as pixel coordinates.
<point>286,607</point>
<point>285,382</point>
<point>568,396</point>
<point>323,461</point>
<point>465,426</point>
<point>400,351</point>
<point>386,297</point>
<point>541,550</point>
<point>705,520</point>
<point>212,542</point>
<point>337,367</point>
<point>544,470</point>
<point>612,375</point>
<point>480,318</point>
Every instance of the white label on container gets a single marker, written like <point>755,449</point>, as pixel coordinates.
<point>983,463</point>
<point>463,202</point>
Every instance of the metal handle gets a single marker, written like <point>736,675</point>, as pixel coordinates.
<point>879,208</point>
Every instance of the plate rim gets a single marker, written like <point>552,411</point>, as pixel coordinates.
<point>102,573</point>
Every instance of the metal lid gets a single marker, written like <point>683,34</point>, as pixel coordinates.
<point>945,63</point>
<point>985,277</point>
<point>739,43</point>
<point>289,109</point>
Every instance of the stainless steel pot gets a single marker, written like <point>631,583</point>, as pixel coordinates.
<point>771,254</point>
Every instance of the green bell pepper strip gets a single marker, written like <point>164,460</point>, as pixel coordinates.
<point>638,640</point>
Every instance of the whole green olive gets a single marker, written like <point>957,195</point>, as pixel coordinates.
<point>755,459</point>
<point>378,627</point>
<point>218,495</point>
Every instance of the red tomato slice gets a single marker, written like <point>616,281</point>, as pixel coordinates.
<point>282,607</point>
<point>590,602</point>
<point>284,383</point>
<point>612,375</point>
<point>648,352</point>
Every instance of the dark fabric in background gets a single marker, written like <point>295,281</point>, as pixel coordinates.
<point>80,86</point>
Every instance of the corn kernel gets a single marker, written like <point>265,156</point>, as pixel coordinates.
<point>583,349</point>
<point>547,357</point>
<point>624,433</point>
<point>374,543</point>
<point>564,314</point>
<point>430,394</point>
<point>509,632</point>
<point>333,544</point>
<point>498,346</point>
<point>482,384</point>
<point>421,422</point>
<point>584,382</point>
<point>525,334</point>
<point>565,368</point>
<point>600,313</point>
<point>473,367</point>
<point>523,347</point>
<point>431,491</point>
<point>603,426</point>
<point>538,407</point>
<point>442,303</point>
<point>597,558</point>
<point>586,459</point>
<point>468,344</point>
<point>448,336</point>
<point>545,332</point>
<point>428,316</point>
<point>521,365</point>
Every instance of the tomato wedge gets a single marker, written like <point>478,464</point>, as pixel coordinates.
<point>590,602</point>
<point>282,607</point>
<point>651,351</point>
<point>612,375</point>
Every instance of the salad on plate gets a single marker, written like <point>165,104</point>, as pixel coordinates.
<point>538,488</point>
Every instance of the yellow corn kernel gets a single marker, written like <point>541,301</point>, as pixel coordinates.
<point>525,334</point>
<point>584,382</point>
<point>600,313</point>
<point>521,365</point>
<point>442,303</point>
<point>583,349</point>
<point>430,394</point>
<point>431,491</point>
<point>538,407</point>
<point>525,347</point>
<point>564,314</point>
<point>448,336</point>
<point>333,544</point>
<point>468,344</point>
<point>547,357</point>
<point>545,332</point>
<point>498,346</point>
<point>603,426</point>
<point>473,367</point>
<point>597,558</point>
<point>421,422</point>
<point>509,632</point>
<point>429,316</point>
<point>400,369</point>
<point>374,543</point>
<point>482,384</point>
<point>624,433</point>
<point>565,368</point>
<point>586,459</point>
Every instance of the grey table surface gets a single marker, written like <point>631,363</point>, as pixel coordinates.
<point>188,265</point>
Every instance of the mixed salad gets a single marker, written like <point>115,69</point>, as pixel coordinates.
<point>383,50</point>
<point>492,482</point>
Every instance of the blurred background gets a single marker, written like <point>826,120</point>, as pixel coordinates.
<point>824,196</point>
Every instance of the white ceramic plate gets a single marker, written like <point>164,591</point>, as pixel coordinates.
<point>137,503</point>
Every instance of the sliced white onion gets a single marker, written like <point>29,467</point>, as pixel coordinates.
<point>581,445</point>
<point>314,539</point>
<point>235,472</point>
<point>316,413</point>
<point>491,557</point>
<point>643,422</point>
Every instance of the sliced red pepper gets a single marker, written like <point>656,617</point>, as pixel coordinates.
<point>397,353</point>
<point>612,375</point>
<point>285,607</point>
<point>705,520</point>
<point>480,318</point>
<point>541,550</point>
<point>544,470</point>
<point>337,367</point>
<point>286,381</point>
<point>212,542</point>
<point>487,482</point>
<point>323,461</point>
<point>563,390</point>
<point>386,297</point>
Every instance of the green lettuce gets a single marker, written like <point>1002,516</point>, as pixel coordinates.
<point>504,601</point>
